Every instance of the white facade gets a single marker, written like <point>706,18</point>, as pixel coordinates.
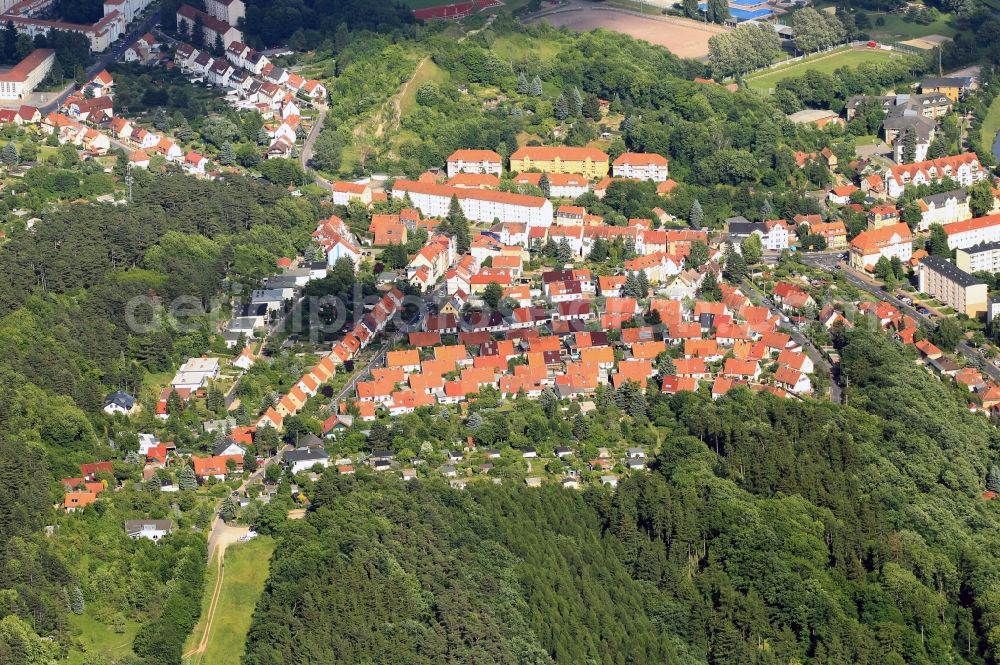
<point>477,205</point>
<point>638,166</point>
<point>27,74</point>
<point>984,258</point>
<point>942,209</point>
<point>973,232</point>
<point>474,161</point>
<point>776,238</point>
<point>920,154</point>
<point>964,169</point>
<point>229,11</point>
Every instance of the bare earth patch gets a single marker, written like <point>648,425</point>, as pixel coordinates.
<point>682,37</point>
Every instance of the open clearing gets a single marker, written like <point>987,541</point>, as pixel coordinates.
<point>245,572</point>
<point>825,63</point>
<point>682,37</point>
<point>98,638</point>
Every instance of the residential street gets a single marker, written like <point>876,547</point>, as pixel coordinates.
<point>103,60</point>
<point>861,282</point>
<point>818,359</point>
<point>307,147</point>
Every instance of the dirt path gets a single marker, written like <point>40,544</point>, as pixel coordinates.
<point>397,100</point>
<point>223,536</point>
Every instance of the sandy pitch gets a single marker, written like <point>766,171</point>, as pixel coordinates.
<point>684,38</point>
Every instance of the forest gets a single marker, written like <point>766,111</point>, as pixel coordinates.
<point>66,343</point>
<point>769,531</point>
<point>309,23</point>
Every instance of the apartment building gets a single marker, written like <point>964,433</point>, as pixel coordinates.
<point>953,286</point>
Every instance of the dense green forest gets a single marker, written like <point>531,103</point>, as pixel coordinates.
<point>66,343</point>
<point>306,24</point>
<point>770,531</point>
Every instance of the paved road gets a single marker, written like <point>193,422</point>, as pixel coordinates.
<point>378,359</point>
<point>971,353</point>
<point>818,359</point>
<point>307,148</point>
<point>105,59</point>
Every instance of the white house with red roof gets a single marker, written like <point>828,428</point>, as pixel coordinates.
<point>964,169</point>
<point>971,232</point>
<point>889,241</point>
<point>102,84</point>
<point>474,161</point>
<point>641,166</point>
<point>345,192</point>
<point>194,163</point>
<point>139,158</point>
<point>478,205</point>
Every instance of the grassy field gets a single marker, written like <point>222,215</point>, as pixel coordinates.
<point>517,47</point>
<point>896,29</point>
<point>246,571</point>
<point>426,72</point>
<point>822,62</point>
<point>100,639</point>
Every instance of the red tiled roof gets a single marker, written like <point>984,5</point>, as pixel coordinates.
<point>20,72</point>
<point>640,159</point>
<point>434,189</point>
<point>474,156</point>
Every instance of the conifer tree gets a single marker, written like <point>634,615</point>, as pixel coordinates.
<point>561,109</point>
<point>536,87</point>
<point>545,186</point>
<point>9,154</point>
<point>160,119</point>
<point>523,87</point>
<point>993,479</point>
<point>696,216</point>
<point>76,600</point>
<point>767,210</point>
<point>643,281</point>
<point>576,100</point>
<point>227,156</point>
<point>186,479</point>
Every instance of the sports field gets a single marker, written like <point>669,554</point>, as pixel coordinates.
<point>822,62</point>
<point>682,37</point>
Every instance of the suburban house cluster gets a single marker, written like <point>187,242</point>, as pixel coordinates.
<point>33,17</point>
<point>583,342</point>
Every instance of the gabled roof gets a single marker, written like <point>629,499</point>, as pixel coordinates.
<point>640,159</point>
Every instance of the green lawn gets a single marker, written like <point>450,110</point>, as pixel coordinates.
<point>991,125</point>
<point>822,62</point>
<point>517,47</point>
<point>428,71</point>
<point>246,571</point>
<point>895,28</point>
<point>98,638</point>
